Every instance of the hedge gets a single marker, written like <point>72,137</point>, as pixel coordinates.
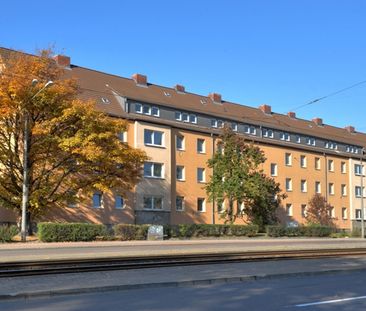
<point>70,232</point>
<point>206,230</point>
<point>130,232</point>
<point>308,231</point>
<point>7,233</point>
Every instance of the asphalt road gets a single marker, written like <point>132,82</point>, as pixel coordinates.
<point>346,291</point>
<point>105,249</point>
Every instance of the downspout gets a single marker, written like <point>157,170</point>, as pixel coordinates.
<point>326,177</point>
<point>213,198</point>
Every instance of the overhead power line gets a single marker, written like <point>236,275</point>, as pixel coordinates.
<point>329,95</point>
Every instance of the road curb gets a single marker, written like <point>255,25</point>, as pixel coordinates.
<point>202,282</point>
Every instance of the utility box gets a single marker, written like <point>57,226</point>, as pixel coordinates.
<point>155,233</point>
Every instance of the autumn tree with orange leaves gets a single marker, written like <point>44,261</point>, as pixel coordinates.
<point>72,147</point>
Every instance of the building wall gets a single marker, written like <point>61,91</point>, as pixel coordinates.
<point>355,202</point>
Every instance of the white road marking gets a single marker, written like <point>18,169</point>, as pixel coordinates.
<point>329,301</point>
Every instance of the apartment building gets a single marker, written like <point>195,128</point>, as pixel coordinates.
<point>179,130</point>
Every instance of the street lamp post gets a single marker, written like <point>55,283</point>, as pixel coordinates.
<point>25,186</point>
<point>362,197</point>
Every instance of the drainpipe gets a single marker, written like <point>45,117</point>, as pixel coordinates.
<point>213,199</point>
<point>326,177</point>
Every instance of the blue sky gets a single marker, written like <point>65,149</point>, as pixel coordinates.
<point>284,53</point>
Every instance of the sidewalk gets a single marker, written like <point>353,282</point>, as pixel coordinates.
<point>79,250</point>
<point>36,286</point>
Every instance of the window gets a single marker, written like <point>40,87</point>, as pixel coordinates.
<point>358,169</point>
<point>153,138</point>
<point>200,145</point>
<point>273,169</point>
<point>331,145</point>
<point>153,170</point>
<point>185,117</point>
<point>298,139</point>
<point>72,200</point>
<point>288,159</point>
<point>153,202</point>
<point>344,190</point>
<point>155,111</point>
<point>332,212</point>
<point>303,161</point>
<point>288,184</point>
<point>97,200</point>
<point>201,206</point>
<point>352,149</point>
<point>234,127</point>
<point>146,109</point>
<point>289,209</point>
<point>179,203</point>
<point>310,141</point>
<point>122,136</point>
<point>180,173</point>
<point>221,207</point>
<point>201,175</point>
<point>344,213</point>
<point>119,201</point>
<point>240,207</point>
<point>358,191</point>
<point>317,163</point>
<point>178,116</point>
<point>358,213</point>
<point>304,186</point>
<point>318,187</point>
<point>285,136</point>
<point>267,133</point>
<point>330,165</point>
<point>250,129</point>
<point>331,188</point>
<point>217,123</point>
<point>180,142</point>
<point>138,108</point>
<point>343,167</point>
<point>303,210</point>
<point>192,118</point>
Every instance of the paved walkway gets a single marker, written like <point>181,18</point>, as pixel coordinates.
<point>56,251</point>
<point>26,287</point>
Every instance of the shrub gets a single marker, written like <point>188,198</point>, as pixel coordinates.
<point>7,233</point>
<point>70,232</point>
<point>249,230</point>
<point>127,232</point>
<point>208,230</point>
<point>318,231</point>
<point>276,231</point>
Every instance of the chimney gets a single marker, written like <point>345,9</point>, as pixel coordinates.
<point>62,61</point>
<point>215,97</point>
<point>140,80</point>
<point>318,121</point>
<point>350,129</point>
<point>179,88</point>
<point>292,115</point>
<point>266,109</point>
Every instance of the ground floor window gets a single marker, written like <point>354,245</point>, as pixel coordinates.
<point>153,202</point>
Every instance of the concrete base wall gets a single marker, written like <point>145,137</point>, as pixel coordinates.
<point>152,217</point>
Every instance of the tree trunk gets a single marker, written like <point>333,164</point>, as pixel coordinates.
<point>29,223</point>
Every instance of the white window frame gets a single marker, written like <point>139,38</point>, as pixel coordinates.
<point>153,198</point>
<point>331,189</point>
<point>344,213</point>
<point>178,115</point>
<point>183,170</point>
<point>155,114</point>
<point>182,201</point>
<point>304,210</point>
<point>119,198</point>
<point>343,167</point>
<point>288,184</point>
<point>330,165</point>
<point>303,161</point>
<point>193,118</point>
<point>343,190</point>
<point>203,145</point>
<point>152,169</point>
<point>138,108</point>
<point>153,132</point>
<point>183,142</point>
<point>304,185</point>
<point>318,187</point>
<point>288,159</point>
<point>318,163</point>
<point>100,195</point>
<point>274,169</point>
<point>289,209</point>
<point>285,136</point>
<point>203,209</point>
<point>203,171</point>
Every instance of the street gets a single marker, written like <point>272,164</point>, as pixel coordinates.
<point>341,291</point>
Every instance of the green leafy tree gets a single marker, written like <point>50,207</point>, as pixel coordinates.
<point>319,211</point>
<point>237,180</point>
<point>70,146</point>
